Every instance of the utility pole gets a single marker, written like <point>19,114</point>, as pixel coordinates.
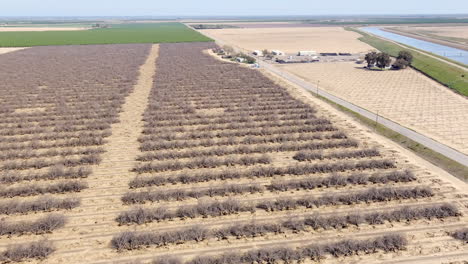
<point>376,120</point>
<point>318,83</point>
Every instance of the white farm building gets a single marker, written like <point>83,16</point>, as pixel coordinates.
<point>277,52</point>
<point>257,53</point>
<point>306,53</point>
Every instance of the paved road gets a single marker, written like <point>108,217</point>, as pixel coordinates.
<point>424,140</point>
<point>420,138</point>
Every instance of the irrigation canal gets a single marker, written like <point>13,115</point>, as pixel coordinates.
<point>441,50</point>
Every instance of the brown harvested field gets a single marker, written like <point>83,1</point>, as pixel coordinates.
<point>406,97</point>
<point>197,160</point>
<point>21,29</point>
<point>292,40</point>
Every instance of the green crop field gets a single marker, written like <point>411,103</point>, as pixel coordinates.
<point>117,34</point>
<point>446,74</point>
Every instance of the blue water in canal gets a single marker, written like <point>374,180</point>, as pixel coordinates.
<point>445,51</point>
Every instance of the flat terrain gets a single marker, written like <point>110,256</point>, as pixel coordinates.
<point>260,24</point>
<point>406,97</point>
<point>459,43</point>
<point>118,153</point>
<point>451,74</point>
<point>292,40</point>
<point>117,34</point>
<point>22,29</point>
<point>456,34</point>
<point>7,50</point>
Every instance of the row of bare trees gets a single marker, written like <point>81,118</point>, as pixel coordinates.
<point>204,116</point>
<point>230,206</point>
<point>308,183</point>
<point>261,172</point>
<point>58,105</point>
<point>136,240</point>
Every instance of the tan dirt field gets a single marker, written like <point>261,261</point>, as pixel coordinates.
<point>21,29</point>
<point>7,50</point>
<point>454,32</point>
<point>292,40</point>
<point>237,23</point>
<point>406,97</point>
<point>456,36</point>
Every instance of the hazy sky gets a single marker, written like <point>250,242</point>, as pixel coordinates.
<point>226,8</point>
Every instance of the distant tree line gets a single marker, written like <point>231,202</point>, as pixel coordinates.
<point>209,26</point>
<point>382,60</point>
<point>99,25</point>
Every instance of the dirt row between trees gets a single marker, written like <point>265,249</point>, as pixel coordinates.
<point>113,173</point>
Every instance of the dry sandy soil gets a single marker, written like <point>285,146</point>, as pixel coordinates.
<point>17,29</point>
<point>238,23</point>
<point>7,50</point>
<point>406,97</point>
<point>292,40</point>
<point>454,32</point>
<point>453,36</point>
<point>259,24</point>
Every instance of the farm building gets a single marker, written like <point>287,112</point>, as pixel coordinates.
<point>239,59</point>
<point>277,52</point>
<point>306,53</point>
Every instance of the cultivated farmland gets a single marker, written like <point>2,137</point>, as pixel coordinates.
<point>227,164</point>
<point>406,97</point>
<point>292,39</point>
<point>453,34</point>
<point>22,29</point>
<point>190,159</point>
<point>58,105</point>
<point>117,34</point>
